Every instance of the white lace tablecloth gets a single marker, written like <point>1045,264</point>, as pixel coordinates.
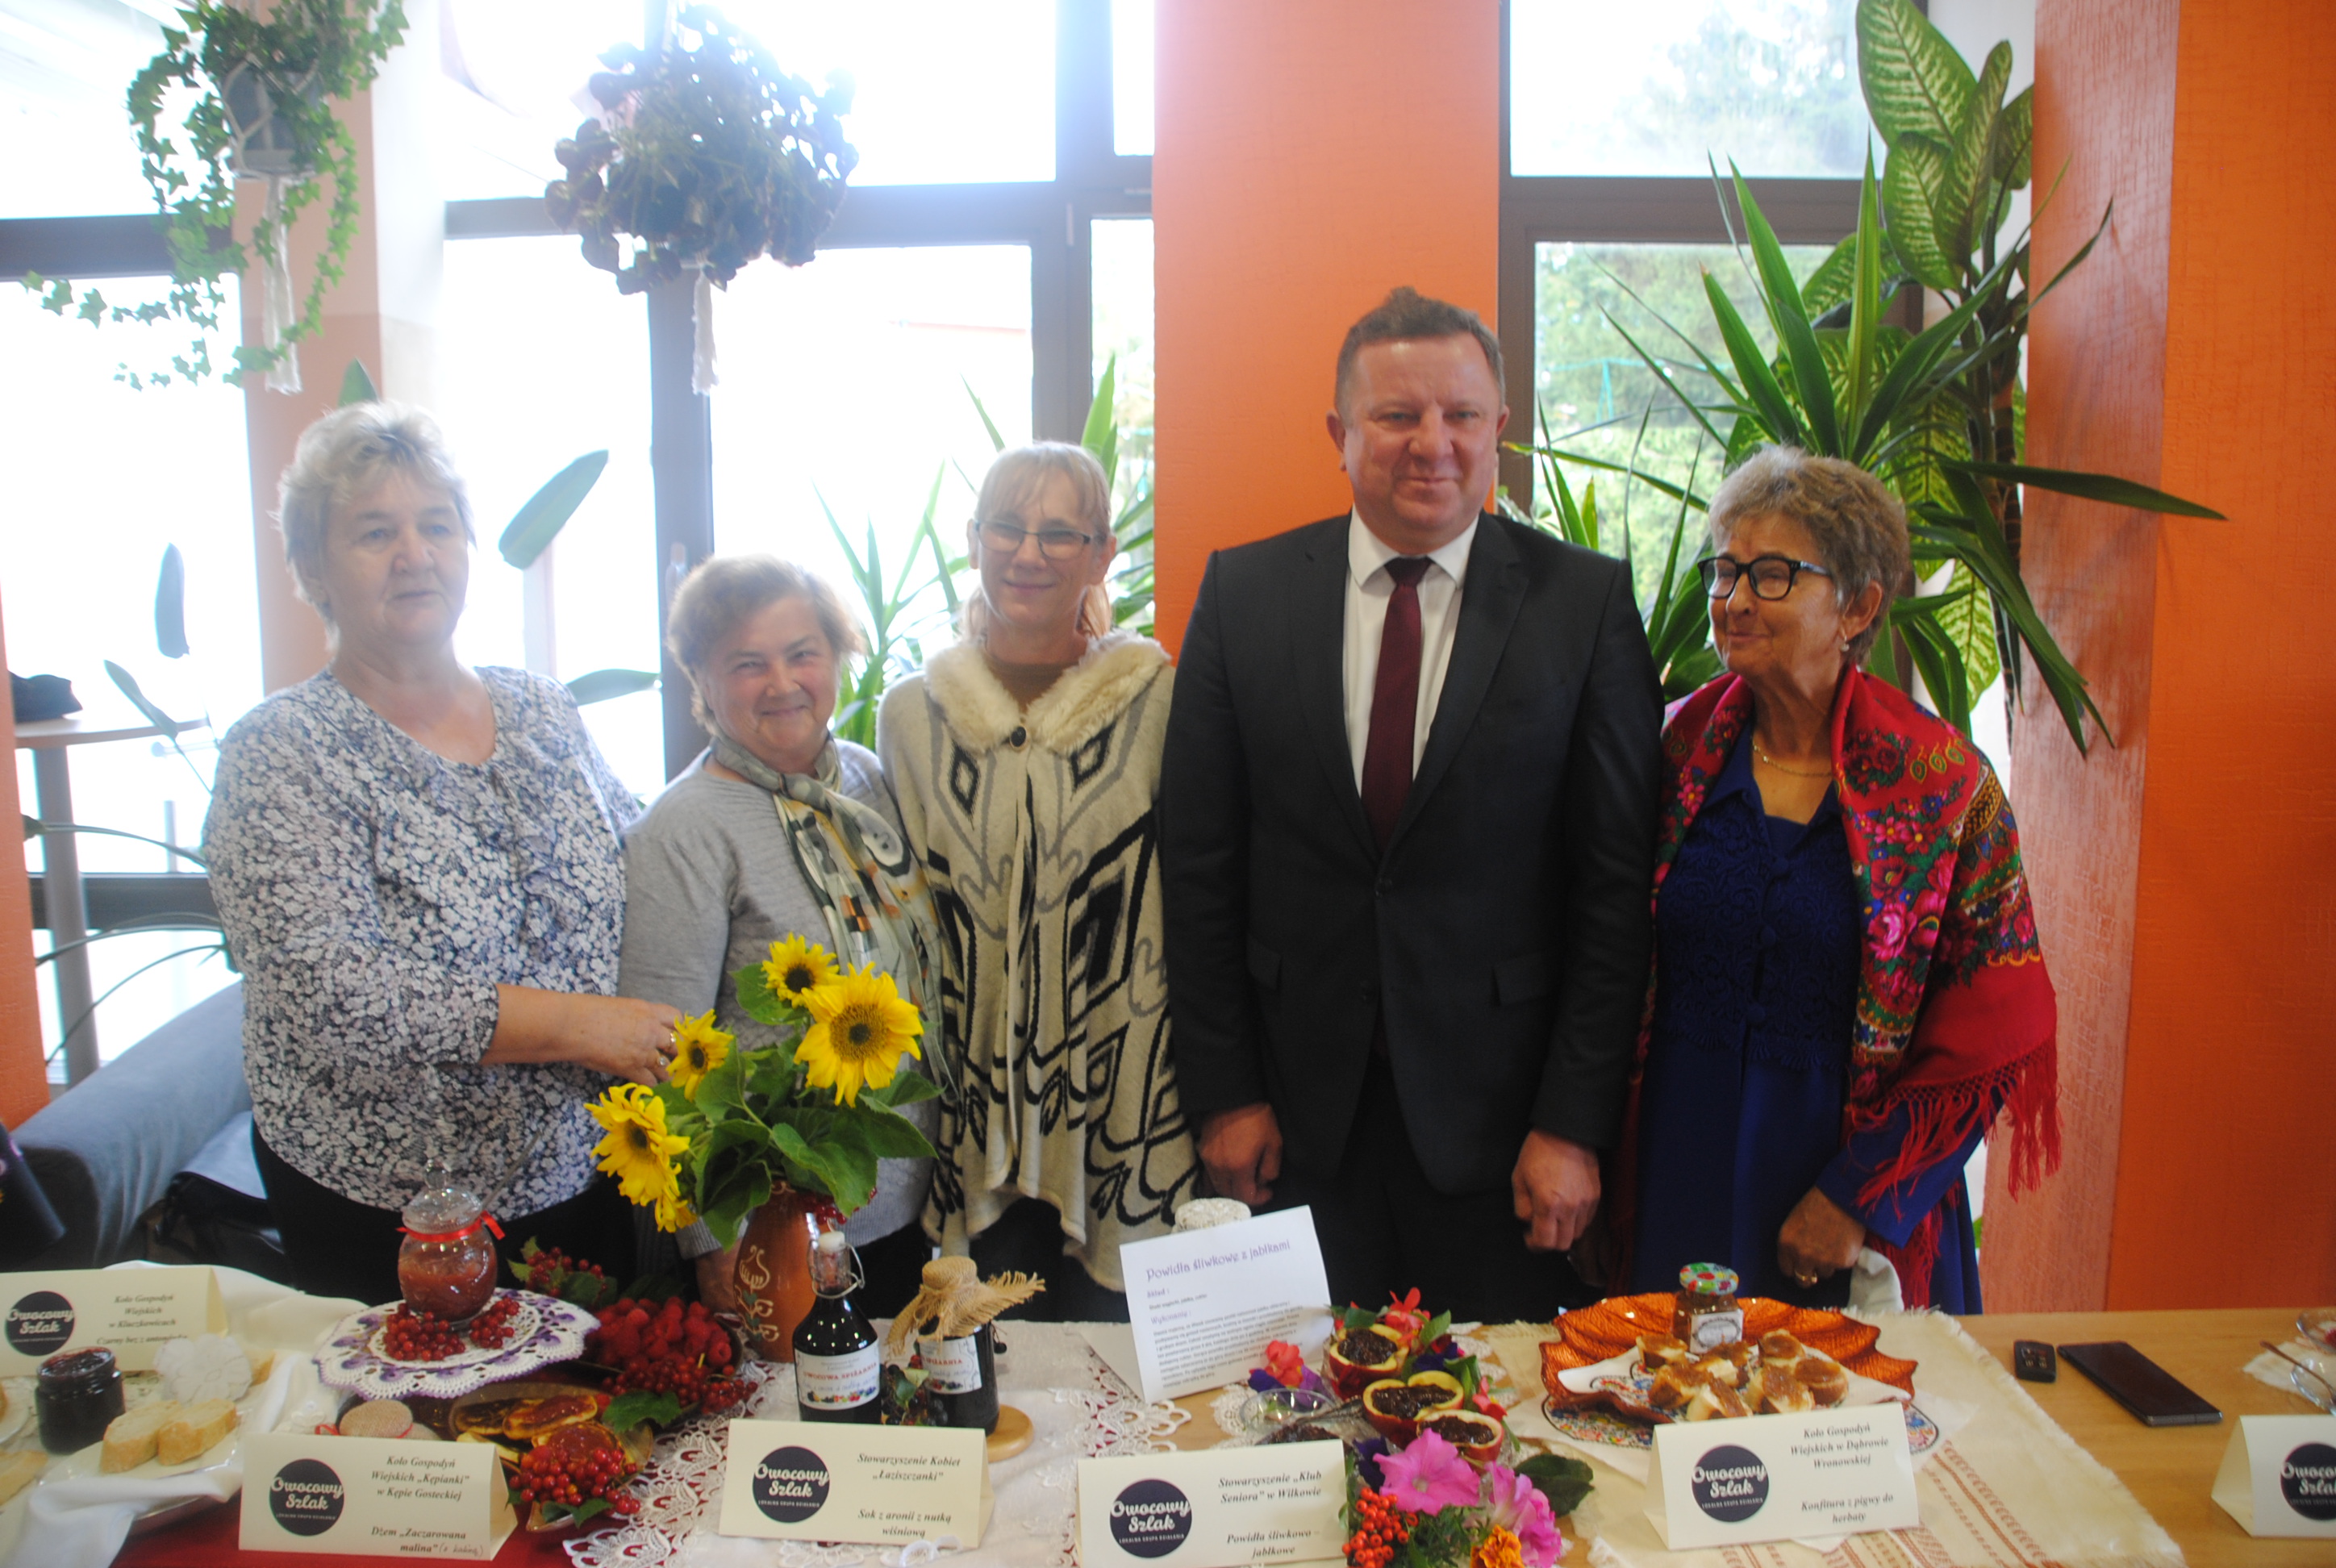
<point>1078,1409</point>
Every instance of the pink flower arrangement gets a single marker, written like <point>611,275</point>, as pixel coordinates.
<point>1430,1476</point>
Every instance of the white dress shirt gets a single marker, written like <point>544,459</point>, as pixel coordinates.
<point>1368,588</point>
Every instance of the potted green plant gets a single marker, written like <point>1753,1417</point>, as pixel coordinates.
<point>263,111</point>
<point>709,156</point>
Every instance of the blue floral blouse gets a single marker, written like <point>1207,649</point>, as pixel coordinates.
<point>375,895</point>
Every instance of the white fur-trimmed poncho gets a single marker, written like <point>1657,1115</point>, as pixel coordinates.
<point>1040,836</point>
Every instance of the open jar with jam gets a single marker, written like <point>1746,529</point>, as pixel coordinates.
<point>76,1397</point>
<point>1707,1314</point>
<point>446,1265</point>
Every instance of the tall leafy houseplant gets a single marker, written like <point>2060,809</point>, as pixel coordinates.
<point>1935,414</point>
<point>263,111</point>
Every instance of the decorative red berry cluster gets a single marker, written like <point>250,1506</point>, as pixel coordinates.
<point>493,1328</point>
<point>566,1475</point>
<point>666,1349</point>
<point>549,1272</point>
<point>1380,1528</point>
<point>407,1334</point>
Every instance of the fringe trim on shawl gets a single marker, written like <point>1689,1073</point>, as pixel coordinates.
<point>1941,1116</point>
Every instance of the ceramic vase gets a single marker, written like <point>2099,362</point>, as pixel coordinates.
<point>774,1272</point>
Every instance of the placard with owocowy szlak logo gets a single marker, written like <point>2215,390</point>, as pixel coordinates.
<point>373,1497</point>
<point>2279,1475</point>
<point>1811,1476</point>
<point>129,1311</point>
<point>837,1481</point>
<point>1213,1508</point>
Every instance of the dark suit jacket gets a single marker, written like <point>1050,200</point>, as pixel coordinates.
<point>1505,931</point>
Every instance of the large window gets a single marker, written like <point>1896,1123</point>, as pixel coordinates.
<point>1656,87</point>
<point>107,480</point>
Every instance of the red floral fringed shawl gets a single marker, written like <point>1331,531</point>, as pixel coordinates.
<point>1955,1014</point>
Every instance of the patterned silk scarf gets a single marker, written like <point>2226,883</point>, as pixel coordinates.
<point>862,873</point>
<point>1956,1017</point>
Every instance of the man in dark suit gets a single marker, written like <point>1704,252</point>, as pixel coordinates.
<point>1408,836</point>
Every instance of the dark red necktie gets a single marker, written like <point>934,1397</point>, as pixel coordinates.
<point>1395,701</point>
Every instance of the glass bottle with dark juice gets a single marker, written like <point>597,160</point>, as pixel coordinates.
<point>837,1360</point>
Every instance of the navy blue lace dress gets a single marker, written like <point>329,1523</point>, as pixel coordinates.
<point>1757,960</point>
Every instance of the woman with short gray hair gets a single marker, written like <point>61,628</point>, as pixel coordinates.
<point>1847,987</point>
<point>778,829</point>
<point>417,867</point>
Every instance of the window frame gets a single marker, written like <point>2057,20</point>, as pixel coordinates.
<point>1053,218</point>
<point>1634,209</point>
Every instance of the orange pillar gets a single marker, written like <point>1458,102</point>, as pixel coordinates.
<point>1309,155</point>
<point>2181,878</point>
<point>24,1062</point>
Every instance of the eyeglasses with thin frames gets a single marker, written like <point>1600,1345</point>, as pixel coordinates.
<point>1005,538</point>
<point>1772,576</point>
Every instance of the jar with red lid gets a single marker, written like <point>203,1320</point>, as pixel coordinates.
<point>446,1264</point>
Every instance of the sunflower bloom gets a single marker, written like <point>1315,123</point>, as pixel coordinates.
<point>797,968</point>
<point>639,1152</point>
<point>699,1048</point>
<point>673,1213</point>
<point>860,1029</point>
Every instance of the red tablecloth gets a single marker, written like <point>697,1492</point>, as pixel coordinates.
<point>208,1541</point>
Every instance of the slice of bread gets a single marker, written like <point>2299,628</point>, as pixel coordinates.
<point>130,1440</point>
<point>195,1429</point>
<point>20,1470</point>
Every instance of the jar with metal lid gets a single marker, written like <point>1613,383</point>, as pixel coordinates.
<point>77,1396</point>
<point>1707,1314</point>
<point>446,1264</point>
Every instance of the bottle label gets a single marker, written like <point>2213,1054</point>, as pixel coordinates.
<point>837,1382</point>
<point>951,1366</point>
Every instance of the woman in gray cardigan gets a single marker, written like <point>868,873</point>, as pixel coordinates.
<point>777,829</point>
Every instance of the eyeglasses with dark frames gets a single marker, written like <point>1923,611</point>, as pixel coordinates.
<point>1772,576</point>
<point>1006,536</point>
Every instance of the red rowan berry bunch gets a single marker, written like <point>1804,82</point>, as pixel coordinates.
<point>567,1475</point>
<point>493,1328</point>
<point>1380,1528</point>
<point>668,1349</point>
<point>407,1334</point>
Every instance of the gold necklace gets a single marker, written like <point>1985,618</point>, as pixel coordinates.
<point>1795,772</point>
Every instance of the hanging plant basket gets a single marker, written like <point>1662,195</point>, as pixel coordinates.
<point>263,111</point>
<point>706,156</point>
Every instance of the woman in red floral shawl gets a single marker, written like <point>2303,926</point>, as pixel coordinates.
<point>1847,989</point>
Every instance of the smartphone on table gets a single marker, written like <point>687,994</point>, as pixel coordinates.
<point>2155,1395</point>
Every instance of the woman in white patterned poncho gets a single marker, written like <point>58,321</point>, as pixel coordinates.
<point>1027,760</point>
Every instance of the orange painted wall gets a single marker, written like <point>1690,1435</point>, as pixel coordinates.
<point>2096,382</point>
<point>2223,1188</point>
<point>1310,155</point>
<point>2182,884</point>
<point>23,1066</point>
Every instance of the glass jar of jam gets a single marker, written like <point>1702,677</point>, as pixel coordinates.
<point>1707,1314</point>
<point>77,1396</point>
<point>446,1264</point>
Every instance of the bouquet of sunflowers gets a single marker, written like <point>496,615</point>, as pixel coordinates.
<point>815,1109</point>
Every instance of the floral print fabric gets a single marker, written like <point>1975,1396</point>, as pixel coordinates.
<point>375,895</point>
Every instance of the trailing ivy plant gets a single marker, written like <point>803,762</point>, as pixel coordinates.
<point>1936,414</point>
<point>264,86</point>
<point>709,156</point>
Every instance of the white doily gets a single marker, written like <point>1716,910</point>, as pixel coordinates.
<point>545,1332</point>
<point>1078,1410</point>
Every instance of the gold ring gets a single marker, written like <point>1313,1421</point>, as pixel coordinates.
<point>1805,1281</point>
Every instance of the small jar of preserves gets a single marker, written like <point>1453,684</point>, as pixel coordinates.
<point>77,1396</point>
<point>446,1264</point>
<point>1708,1315</point>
